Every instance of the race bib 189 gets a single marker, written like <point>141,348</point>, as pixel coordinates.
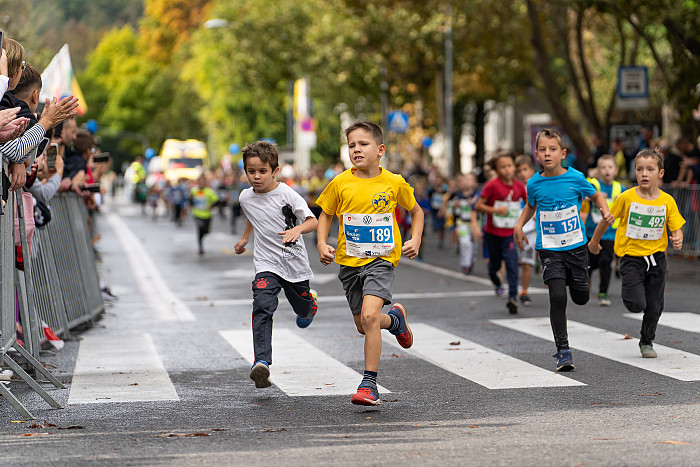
<point>560,228</point>
<point>368,235</point>
<point>646,222</point>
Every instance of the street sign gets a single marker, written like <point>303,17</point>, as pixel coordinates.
<point>398,122</point>
<point>632,87</point>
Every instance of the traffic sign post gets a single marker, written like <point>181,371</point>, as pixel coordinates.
<point>397,122</point>
<point>632,87</point>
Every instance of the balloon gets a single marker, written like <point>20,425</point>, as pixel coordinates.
<point>150,152</point>
<point>234,149</point>
<point>92,126</point>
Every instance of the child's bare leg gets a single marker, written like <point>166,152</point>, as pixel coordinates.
<point>527,277</point>
<point>370,322</point>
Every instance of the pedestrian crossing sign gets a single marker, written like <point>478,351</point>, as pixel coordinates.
<point>398,122</point>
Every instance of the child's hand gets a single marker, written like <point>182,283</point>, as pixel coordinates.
<point>240,246</point>
<point>501,211</point>
<point>594,248</point>
<point>326,253</point>
<point>290,236</point>
<point>520,237</point>
<point>609,218</point>
<point>676,240</point>
<point>477,234</point>
<point>411,248</point>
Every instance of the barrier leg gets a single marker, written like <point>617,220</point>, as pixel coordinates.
<point>39,367</point>
<point>14,402</point>
<point>30,381</point>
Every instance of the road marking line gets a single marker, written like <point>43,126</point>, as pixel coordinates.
<point>119,369</point>
<point>153,287</point>
<point>685,321</point>
<point>484,366</point>
<point>300,368</point>
<point>674,363</point>
<point>342,299</point>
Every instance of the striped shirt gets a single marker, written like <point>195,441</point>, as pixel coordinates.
<point>17,150</point>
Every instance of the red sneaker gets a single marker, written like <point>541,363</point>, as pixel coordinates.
<point>405,336</point>
<point>366,396</point>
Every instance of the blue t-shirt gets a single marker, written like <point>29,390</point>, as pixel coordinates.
<point>609,234</point>
<point>555,199</point>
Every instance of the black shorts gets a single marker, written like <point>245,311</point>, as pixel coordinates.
<point>570,265</point>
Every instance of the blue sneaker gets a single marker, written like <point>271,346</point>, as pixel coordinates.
<point>404,336</point>
<point>304,322</point>
<point>500,291</point>
<point>564,360</point>
<point>366,395</point>
<point>260,373</point>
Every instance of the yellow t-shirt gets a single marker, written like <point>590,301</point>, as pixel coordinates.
<point>348,194</point>
<point>643,223</point>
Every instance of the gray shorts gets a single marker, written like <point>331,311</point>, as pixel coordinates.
<point>373,278</point>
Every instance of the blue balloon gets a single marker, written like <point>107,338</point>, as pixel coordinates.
<point>234,149</point>
<point>150,152</point>
<point>92,126</point>
<point>427,142</point>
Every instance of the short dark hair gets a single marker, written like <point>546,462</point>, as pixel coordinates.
<point>30,80</point>
<point>266,152</point>
<point>84,141</point>
<point>370,127</point>
<point>652,154</point>
<point>500,155</point>
<point>524,160</point>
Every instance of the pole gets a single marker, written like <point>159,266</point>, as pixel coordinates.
<point>449,117</point>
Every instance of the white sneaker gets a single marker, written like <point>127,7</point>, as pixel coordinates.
<point>6,375</point>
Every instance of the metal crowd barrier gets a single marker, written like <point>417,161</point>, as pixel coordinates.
<point>688,201</point>
<point>59,286</point>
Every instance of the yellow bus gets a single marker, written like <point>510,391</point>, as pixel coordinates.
<point>183,159</point>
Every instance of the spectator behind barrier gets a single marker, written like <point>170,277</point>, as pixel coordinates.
<point>11,126</point>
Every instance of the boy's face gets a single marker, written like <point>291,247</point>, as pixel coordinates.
<point>505,168</point>
<point>467,182</point>
<point>363,150</point>
<point>550,153</point>
<point>648,173</point>
<point>260,175</point>
<point>608,170</point>
<point>524,172</point>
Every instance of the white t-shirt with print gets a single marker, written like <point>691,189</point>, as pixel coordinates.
<point>264,211</point>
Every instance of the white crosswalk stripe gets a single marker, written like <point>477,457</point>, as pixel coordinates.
<point>119,369</point>
<point>300,368</point>
<point>674,363</point>
<point>678,320</point>
<point>484,366</point>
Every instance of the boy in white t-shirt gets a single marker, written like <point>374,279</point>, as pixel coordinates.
<point>279,216</point>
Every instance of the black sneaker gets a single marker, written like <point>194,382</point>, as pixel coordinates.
<point>512,306</point>
<point>260,373</point>
<point>525,299</point>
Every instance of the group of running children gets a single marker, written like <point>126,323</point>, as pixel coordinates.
<point>633,223</point>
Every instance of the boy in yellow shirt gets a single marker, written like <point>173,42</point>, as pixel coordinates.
<point>369,245</point>
<point>645,214</point>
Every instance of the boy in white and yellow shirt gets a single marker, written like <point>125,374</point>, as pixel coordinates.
<point>369,245</point>
<point>645,214</point>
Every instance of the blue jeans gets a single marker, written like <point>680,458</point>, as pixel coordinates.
<point>503,249</point>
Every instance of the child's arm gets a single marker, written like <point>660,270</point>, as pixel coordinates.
<point>518,234</point>
<point>240,246</point>
<point>326,253</point>
<point>291,235</point>
<point>677,239</point>
<point>412,246</point>
<point>594,242</point>
<point>481,206</point>
<point>600,201</point>
<point>476,228</point>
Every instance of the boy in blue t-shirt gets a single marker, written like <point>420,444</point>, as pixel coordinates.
<point>555,195</point>
<point>605,183</point>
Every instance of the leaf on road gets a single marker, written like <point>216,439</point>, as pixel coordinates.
<point>32,434</point>
<point>456,343</point>
<point>71,427</point>
<point>272,430</point>
<point>627,336</point>
<point>606,439</point>
<point>134,384</point>
<point>473,426</point>
<point>650,394</point>
<point>671,442</point>
<point>45,424</point>
<point>397,356</point>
